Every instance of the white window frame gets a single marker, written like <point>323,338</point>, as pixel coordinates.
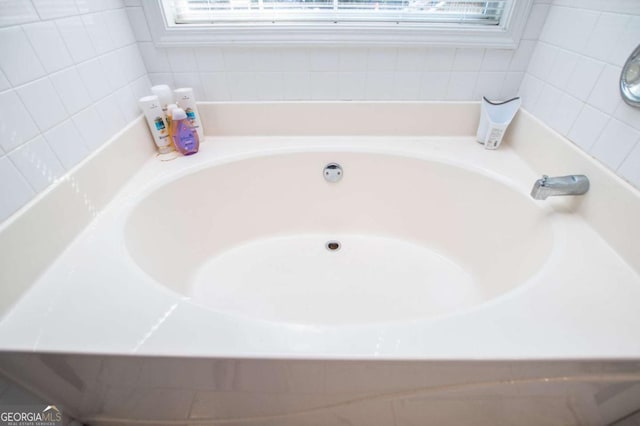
<point>505,36</point>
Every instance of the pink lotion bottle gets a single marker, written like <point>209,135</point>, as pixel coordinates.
<point>184,136</point>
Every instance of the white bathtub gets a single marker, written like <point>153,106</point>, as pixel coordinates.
<point>440,238</point>
<point>202,291</point>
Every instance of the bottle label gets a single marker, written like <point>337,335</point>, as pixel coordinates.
<point>191,115</point>
<point>188,142</point>
<point>184,137</point>
<point>160,127</point>
<point>159,123</point>
<point>495,137</point>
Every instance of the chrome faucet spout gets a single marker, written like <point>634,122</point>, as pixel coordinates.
<point>559,185</point>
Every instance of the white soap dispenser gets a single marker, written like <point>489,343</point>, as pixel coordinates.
<point>495,117</point>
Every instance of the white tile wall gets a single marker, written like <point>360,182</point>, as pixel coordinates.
<point>43,103</point>
<point>76,38</point>
<point>49,9</point>
<point>15,189</point>
<point>13,12</point>
<point>48,45</point>
<point>37,163</point>
<point>18,126</point>
<point>327,66</point>
<point>74,96</point>
<point>18,61</point>
<point>70,74</point>
<point>572,80</point>
<point>242,73</point>
<point>67,143</point>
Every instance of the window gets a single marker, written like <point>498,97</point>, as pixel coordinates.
<point>224,12</point>
<point>459,23</point>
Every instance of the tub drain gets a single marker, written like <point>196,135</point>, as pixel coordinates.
<point>333,245</point>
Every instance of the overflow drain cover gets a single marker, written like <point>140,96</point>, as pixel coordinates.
<point>332,245</point>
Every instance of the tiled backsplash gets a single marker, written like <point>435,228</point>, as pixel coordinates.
<point>339,73</point>
<point>239,73</point>
<point>70,74</point>
<point>572,80</point>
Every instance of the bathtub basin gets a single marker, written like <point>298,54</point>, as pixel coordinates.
<point>443,255</point>
<point>418,238</point>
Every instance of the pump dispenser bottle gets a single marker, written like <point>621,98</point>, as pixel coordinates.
<point>184,136</point>
<point>187,101</point>
<point>164,94</point>
<point>169,114</point>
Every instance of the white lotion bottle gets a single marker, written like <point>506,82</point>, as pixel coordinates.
<point>151,107</point>
<point>187,101</point>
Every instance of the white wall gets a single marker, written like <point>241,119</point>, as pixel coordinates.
<point>70,74</point>
<point>572,80</point>
<point>338,72</point>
